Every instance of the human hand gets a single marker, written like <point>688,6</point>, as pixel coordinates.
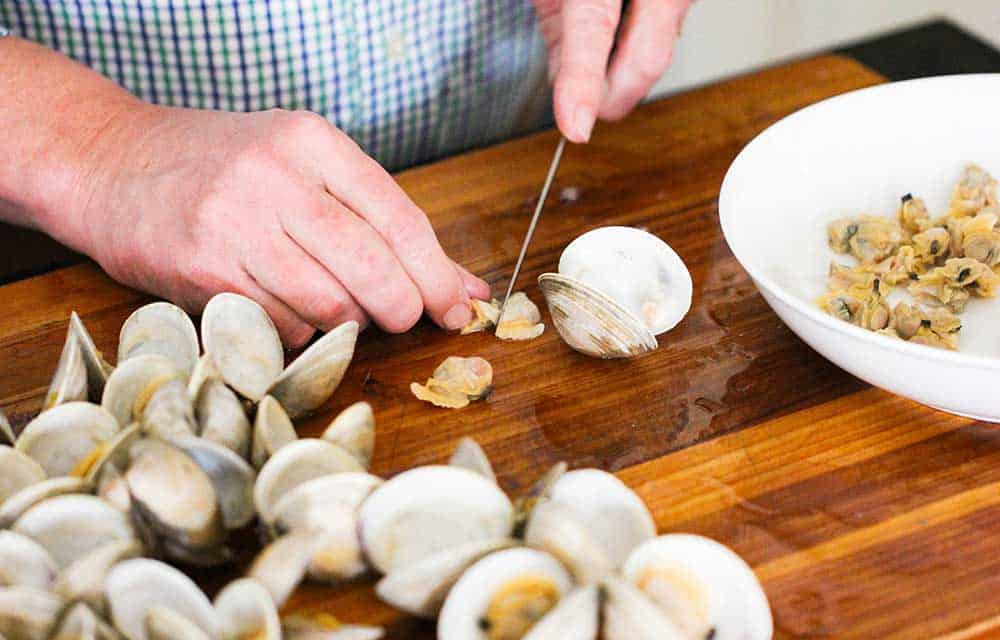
<point>580,35</point>
<point>279,206</point>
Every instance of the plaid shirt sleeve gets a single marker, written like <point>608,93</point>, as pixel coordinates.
<point>3,31</point>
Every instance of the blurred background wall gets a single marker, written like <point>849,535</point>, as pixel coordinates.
<point>726,37</point>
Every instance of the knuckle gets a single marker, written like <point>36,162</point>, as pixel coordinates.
<point>305,125</point>
<point>322,308</point>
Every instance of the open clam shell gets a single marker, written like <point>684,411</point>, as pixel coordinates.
<point>83,580</point>
<point>429,509</point>
<point>203,371</point>
<point>160,328</point>
<point>134,586</point>
<point>245,610</point>
<point>313,377</point>
<point>58,439</point>
<point>630,615</point>
<point>26,498</point>
<point>115,450</point>
<point>354,430</point>
<point>24,562</point>
<point>231,475</point>
<point>469,455</point>
<point>221,418</point>
<point>28,614</point>
<point>576,616</point>
<point>272,429</point>
<point>506,592</point>
<point>69,383</point>
<point>71,526</point>
<point>163,623</point>
<point>555,528</point>
<point>98,368</point>
<point>282,565</point>
<point>243,342</point>
<point>169,413</point>
<point>541,489</point>
<point>7,435</point>
<point>17,471</point>
<point>132,384</point>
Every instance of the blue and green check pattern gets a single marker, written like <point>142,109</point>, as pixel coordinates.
<point>409,80</point>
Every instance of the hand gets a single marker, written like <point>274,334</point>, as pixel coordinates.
<point>279,206</point>
<point>580,35</point>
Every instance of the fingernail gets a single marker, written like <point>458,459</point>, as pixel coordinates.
<point>458,316</point>
<point>583,122</point>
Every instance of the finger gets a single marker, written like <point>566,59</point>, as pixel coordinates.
<point>350,249</point>
<point>374,195</point>
<point>304,285</point>
<point>475,286</point>
<point>294,331</point>
<point>645,48</point>
<point>588,31</point>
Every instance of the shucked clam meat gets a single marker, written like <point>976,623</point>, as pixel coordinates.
<point>456,382</point>
<point>616,289</point>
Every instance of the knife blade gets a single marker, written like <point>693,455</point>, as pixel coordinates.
<point>534,221</point>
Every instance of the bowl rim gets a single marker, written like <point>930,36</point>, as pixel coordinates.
<point>810,311</point>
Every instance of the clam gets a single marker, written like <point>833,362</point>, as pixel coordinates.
<point>231,476</point>
<point>542,488</point>
<point>17,471</point>
<point>113,488</point>
<point>133,587</point>
<point>616,290</point>
<point>243,342</point>
<point>282,565</point>
<point>72,526</point>
<point>174,495</point>
<point>294,464</point>
<point>27,613</point>
<point>705,588</point>
<point>203,371</point>
<point>976,189</point>
<point>24,562</point>
<point>354,430</point>
<point>485,315</point>
<point>58,439</point>
<point>913,214</point>
<point>69,383</point>
<point>83,580</point>
<point>81,623</point>
<point>272,429</point>
<point>630,615</point>
<point>245,610</point>
<point>313,377</point>
<point>556,529</point>
<point>576,616</point>
<point>169,413</point>
<point>113,451</point>
<point>33,494</point>
<point>221,417</point>
<point>133,383</point>
<point>429,509</point>
<point>97,367</point>
<point>520,319</point>
<point>7,435</point>
<point>163,623</point>
<point>160,328</point>
<point>456,382</point>
<point>503,596</point>
<point>469,455</point>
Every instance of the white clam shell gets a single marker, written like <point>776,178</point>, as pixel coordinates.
<point>83,580</point>
<point>630,615</point>
<point>555,528</point>
<point>163,623</point>
<point>576,616</point>
<point>28,614</point>
<point>203,371</point>
<point>17,471</point>
<point>81,623</point>
<point>71,526</point>
<point>354,430</point>
<point>26,498</point>
<point>428,509</point>
<point>7,435</point>
<point>293,464</point>
<point>243,343</point>
<point>133,383</point>
<point>282,565</point>
<point>161,328</point>
<point>115,450</point>
<point>272,429</point>
<point>231,475</point>
<point>245,610</point>
<point>469,598</point>
<point>134,586</point>
<point>221,418</point>
<point>69,384</point>
<point>24,562</point>
<point>313,377</point>
<point>421,587</point>
<point>169,413</point>
<point>58,439</point>
<point>730,593</point>
<point>97,367</point>
<point>469,455</point>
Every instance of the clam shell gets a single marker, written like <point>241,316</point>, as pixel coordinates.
<point>282,565</point>
<point>113,489</point>
<point>243,343</point>
<point>114,451</point>
<point>203,371</point>
<point>173,494</point>
<point>469,455</point>
<point>97,367</point>
<point>17,471</point>
<point>591,322</point>
<point>221,418</point>
<point>554,528</point>
<point>163,623</point>
<point>134,586</point>
<point>58,439</point>
<point>576,616</point>
<point>15,506</point>
<point>420,588</point>
<point>272,429</point>
<point>700,575</point>
<point>169,413</point>
<point>231,476</point>
<point>160,328</point>
<point>72,526</point>
<point>133,383</point>
<point>324,627</point>
<point>7,435</point>
<point>469,599</point>
<point>83,580</point>
<point>245,610</point>
<point>429,509</point>
<point>310,381</point>
<point>630,615</point>
<point>69,384</point>
<point>294,464</point>
<point>28,614</point>
<point>354,430</point>
<point>81,623</point>
<point>24,562</point>
<point>541,489</point>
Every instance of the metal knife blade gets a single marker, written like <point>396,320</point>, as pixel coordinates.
<point>534,221</point>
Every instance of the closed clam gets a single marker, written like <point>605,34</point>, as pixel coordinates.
<point>69,383</point>
<point>17,471</point>
<point>161,328</point>
<point>313,377</point>
<point>616,289</point>
<point>130,387</point>
<point>58,439</point>
<point>272,429</point>
<point>24,562</point>
<point>354,430</point>
<point>243,343</point>
<point>27,613</point>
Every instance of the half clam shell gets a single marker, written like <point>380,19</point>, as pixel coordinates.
<point>98,368</point>
<point>83,580</point>
<point>245,610</point>
<point>243,342</point>
<point>313,377</point>
<point>17,471</point>
<point>69,383</point>
<point>161,328</point>
<point>24,562</point>
<point>469,455</point>
<point>354,430</point>
<point>132,384</point>
<point>58,439</point>
<point>26,498</point>
<point>272,429</point>
<point>221,417</point>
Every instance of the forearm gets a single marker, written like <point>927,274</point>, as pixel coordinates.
<point>59,122</point>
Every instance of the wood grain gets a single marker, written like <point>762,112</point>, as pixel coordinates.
<point>865,515</point>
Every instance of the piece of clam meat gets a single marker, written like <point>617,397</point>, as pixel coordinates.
<point>485,315</point>
<point>843,278</point>
<point>862,307</point>
<point>875,239</point>
<point>456,382</point>
<point>839,234</point>
<point>976,189</point>
<point>933,339</point>
<point>981,238</point>
<point>521,319</point>
<point>931,245</point>
<point>913,214</point>
<point>897,268</point>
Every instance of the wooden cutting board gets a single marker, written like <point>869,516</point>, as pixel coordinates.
<point>865,515</point>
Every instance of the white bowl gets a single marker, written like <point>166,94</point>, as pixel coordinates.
<point>860,152</point>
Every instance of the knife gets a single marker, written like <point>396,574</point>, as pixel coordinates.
<point>534,221</point>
